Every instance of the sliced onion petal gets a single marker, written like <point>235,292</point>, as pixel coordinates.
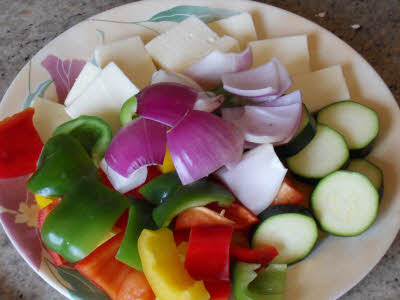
<point>121,183</point>
<point>166,102</point>
<point>203,143</point>
<point>208,101</point>
<point>268,123</point>
<point>208,71</point>
<point>256,179</point>
<point>169,76</point>
<point>267,82</point>
<point>140,143</point>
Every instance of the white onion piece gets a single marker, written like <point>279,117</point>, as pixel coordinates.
<point>208,71</point>
<point>121,183</point>
<point>256,179</point>
<point>202,143</point>
<point>268,123</point>
<point>206,101</point>
<point>265,83</point>
<point>140,143</point>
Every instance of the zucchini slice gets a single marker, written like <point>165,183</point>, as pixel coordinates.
<point>367,168</point>
<point>345,203</point>
<point>356,122</point>
<point>303,136</point>
<point>291,229</point>
<point>326,153</point>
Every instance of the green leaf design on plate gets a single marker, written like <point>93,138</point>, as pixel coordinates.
<point>83,288</point>
<point>38,92</point>
<point>180,13</point>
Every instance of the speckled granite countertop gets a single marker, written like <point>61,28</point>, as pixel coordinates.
<point>28,25</point>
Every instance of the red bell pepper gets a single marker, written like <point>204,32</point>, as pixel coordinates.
<point>237,213</point>
<point>117,279</point>
<point>200,217</point>
<point>181,236</point>
<point>57,258</point>
<point>218,290</point>
<point>261,256</point>
<point>20,145</point>
<point>288,194</point>
<point>207,257</point>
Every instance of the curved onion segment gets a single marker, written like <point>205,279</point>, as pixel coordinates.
<point>208,71</point>
<point>206,101</point>
<point>203,143</point>
<point>166,102</point>
<point>272,122</point>
<point>256,179</point>
<point>265,83</point>
<point>140,143</point>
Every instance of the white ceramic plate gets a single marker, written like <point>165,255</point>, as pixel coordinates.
<point>339,263</point>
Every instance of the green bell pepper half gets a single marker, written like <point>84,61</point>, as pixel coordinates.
<point>199,193</point>
<point>161,187</point>
<point>139,218</point>
<point>268,284</point>
<point>62,162</point>
<point>76,226</point>
<point>92,132</point>
<point>128,111</point>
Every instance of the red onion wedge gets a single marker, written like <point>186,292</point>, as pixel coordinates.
<point>206,101</point>
<point>121,183</point>
<point>273,122</point>
<point>256,179</point>
<point>265,83</point>
<point>208,71</point>
<point>140,143</point>
<point>203,143</point>
<point>166,102</point>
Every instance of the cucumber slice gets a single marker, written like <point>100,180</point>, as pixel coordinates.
<point>303,136</point>
<point>291,229</point>
<point>326,153</point>
<point>356,122</point>
<point>367,168</point>
<point>345,203</point>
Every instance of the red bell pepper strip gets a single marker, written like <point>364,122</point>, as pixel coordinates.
<point>57,258</point>
<point>200,217</point>
<point>207,257</point>
<point>261,256</point>
<point>117,279</point>
<point>20,145</point>
<point>237,213</point>
<point>288,194</point>
<point>181,236</point>
<point>218,290</point>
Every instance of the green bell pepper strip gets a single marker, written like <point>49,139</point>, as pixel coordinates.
<point>161,187</point>
<point>199,193</point>
<point>139,218</point>
<point>92,132</point>
<point>268,284</point>
<point>128,111</point>
<point>82,219</point>
<point>62,162</point>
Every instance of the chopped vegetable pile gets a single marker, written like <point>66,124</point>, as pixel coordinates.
<point>195,185</point>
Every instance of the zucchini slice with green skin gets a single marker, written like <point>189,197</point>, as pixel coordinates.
<point>345,203</point>
<point>367,168</point>
<point>303,136</point>
<point>358,124</point>
<point>291,229</point>
<point>326,153</point>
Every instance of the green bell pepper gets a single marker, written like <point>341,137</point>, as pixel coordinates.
<point>268,284</point>
<point>139,218</point>
<point>61,164</point>
<point>76,226</point>
<point>128,111</point>
<point>199,193</point>
<point>161,187</point>
<point>92,132</point>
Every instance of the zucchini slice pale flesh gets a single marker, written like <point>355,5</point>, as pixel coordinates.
<point>356,122</point>
<point>367,168</point>
<point>345,203</point>
<point>326,153</point>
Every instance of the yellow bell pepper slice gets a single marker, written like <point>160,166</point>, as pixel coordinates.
<point>43,201</point>
<point>182,250</point>
<point>164,270</point>
<point>168,165</point>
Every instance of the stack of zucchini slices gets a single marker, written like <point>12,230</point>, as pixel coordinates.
<point>328,150</point>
